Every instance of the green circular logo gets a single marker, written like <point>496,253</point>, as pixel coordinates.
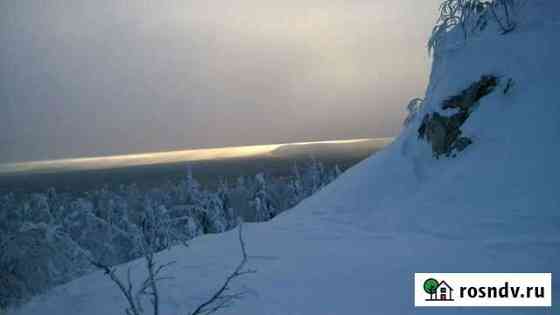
<point>431,285</point>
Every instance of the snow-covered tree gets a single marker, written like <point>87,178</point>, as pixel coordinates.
<point>10,216</point>
<point>229,212</point>
<point>337,171</point>
<point>107,225</point>
<point>36,209</point>
<point>295,186</point>
<point>472,16</point>
<point>333,174</point>
<point>36,257</point>
<point>412,109</point>
<point>262,200</point>
<point>314,176</point>
<point>105,242</point>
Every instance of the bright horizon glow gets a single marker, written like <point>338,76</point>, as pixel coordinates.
<point>105,77</point>
<point>143,159</point>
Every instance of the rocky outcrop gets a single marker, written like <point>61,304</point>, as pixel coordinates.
<point>444,132</point>
<point>470,96</point>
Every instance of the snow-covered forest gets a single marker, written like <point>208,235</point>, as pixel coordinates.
<point>50,238</point>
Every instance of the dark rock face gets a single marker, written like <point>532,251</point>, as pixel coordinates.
<point>462,143</point>
<point>470,96</point>
<point>444,132</point>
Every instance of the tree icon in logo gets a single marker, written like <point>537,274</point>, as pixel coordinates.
<point>430,286</point>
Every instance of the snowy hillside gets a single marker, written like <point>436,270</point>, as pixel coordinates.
<point>353,248</point>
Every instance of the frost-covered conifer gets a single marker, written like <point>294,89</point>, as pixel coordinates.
<point>295,186</point>
<point>262,201</point>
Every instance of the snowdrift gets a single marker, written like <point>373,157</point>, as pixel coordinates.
<point>353,248</point>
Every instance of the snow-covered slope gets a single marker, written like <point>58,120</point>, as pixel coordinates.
<point>353,248</point>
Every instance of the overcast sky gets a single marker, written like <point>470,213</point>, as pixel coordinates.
<point>89,78</point>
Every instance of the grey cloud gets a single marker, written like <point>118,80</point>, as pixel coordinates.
<point>83,78</point>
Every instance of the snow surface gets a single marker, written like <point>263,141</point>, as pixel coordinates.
<point>353,247</point>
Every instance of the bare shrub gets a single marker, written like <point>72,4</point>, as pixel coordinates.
<point>472,16</point>
<point>150,243</point>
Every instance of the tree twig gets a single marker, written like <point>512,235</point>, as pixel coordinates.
<point>126,290</point>
<point>219,299</point>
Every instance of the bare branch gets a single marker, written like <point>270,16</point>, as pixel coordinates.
<point>151,240</point>
<point>471,16</point>
<point>149,243</point>
<point>507,25</point>
<point>161,267</point>
<point>133,307</point>
<point>220,300</point>
<point>152,282</point>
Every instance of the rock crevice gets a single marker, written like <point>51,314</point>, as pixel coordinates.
<point>444,132</point>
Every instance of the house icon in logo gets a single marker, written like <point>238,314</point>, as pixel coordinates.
<point>438,290</point>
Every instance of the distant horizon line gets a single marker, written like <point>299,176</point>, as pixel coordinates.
<point>147,158</point>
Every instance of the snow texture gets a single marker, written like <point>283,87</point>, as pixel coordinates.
<point>353,247</point>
